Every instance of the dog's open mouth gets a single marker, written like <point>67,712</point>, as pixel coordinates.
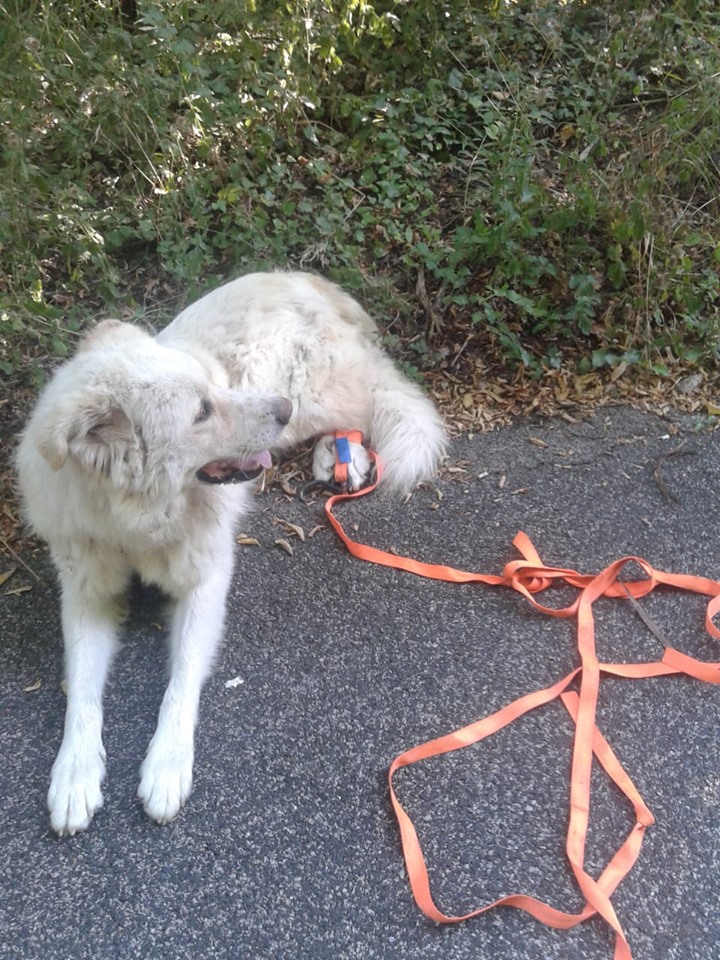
<point>235,471</point>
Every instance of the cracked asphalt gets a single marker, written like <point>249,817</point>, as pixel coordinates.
<point>287,848</point>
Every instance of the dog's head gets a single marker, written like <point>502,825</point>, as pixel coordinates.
<point>149,419</point>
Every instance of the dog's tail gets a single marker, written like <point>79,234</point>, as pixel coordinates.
<point>406,431</point>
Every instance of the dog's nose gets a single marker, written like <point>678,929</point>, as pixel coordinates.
<point>282,411</point>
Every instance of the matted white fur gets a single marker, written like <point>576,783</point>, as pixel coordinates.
<point>121,466</point>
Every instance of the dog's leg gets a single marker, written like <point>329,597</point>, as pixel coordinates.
<point>89,629</point>
<point>166,772</point>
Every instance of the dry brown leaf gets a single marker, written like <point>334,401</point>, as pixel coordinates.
<point>33,687</point>
<point>618,371</point>
<point>284,545</point>
<point>293,528</point>
<point>247,541</point>
<point>4,577</point>
<point>537,442</point>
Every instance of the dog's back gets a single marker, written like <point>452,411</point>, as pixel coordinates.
<point>302,336</point>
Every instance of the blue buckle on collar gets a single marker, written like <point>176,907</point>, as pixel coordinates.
<point>342,450</point>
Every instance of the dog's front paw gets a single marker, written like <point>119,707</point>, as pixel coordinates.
<point>165,780</point>
<point>324,462</point>
<point>75,795</point>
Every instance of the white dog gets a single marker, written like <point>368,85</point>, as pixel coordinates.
<point>131,462</point>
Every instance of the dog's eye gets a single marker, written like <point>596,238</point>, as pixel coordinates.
<point>205,411</point>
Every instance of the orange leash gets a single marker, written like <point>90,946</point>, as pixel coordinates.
<point>529,576</point>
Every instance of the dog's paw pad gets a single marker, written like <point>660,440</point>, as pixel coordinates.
<point>75,795</point>
<point>324,459</point>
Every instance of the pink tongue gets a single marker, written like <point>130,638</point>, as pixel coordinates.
<point>220,468</point>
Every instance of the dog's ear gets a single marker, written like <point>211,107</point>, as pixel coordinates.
<point>95,431</point>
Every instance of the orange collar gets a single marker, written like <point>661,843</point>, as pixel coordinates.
<point>343,439</point>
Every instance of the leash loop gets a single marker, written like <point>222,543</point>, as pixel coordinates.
<point>529,576</point>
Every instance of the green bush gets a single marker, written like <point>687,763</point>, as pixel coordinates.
<point>548,170</point>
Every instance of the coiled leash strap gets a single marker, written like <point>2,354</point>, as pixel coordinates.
<point>342,440</point>
<point>529,576</point>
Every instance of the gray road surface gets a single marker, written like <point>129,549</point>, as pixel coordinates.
<point>287,849</point>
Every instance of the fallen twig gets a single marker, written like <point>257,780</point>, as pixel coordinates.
<point>662,486</point>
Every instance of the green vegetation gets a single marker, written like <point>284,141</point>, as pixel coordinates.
<point>541,175</point>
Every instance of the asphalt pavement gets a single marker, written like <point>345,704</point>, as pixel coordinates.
<point>288,848</point>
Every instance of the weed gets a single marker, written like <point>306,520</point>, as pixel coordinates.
<point>548,170</point>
